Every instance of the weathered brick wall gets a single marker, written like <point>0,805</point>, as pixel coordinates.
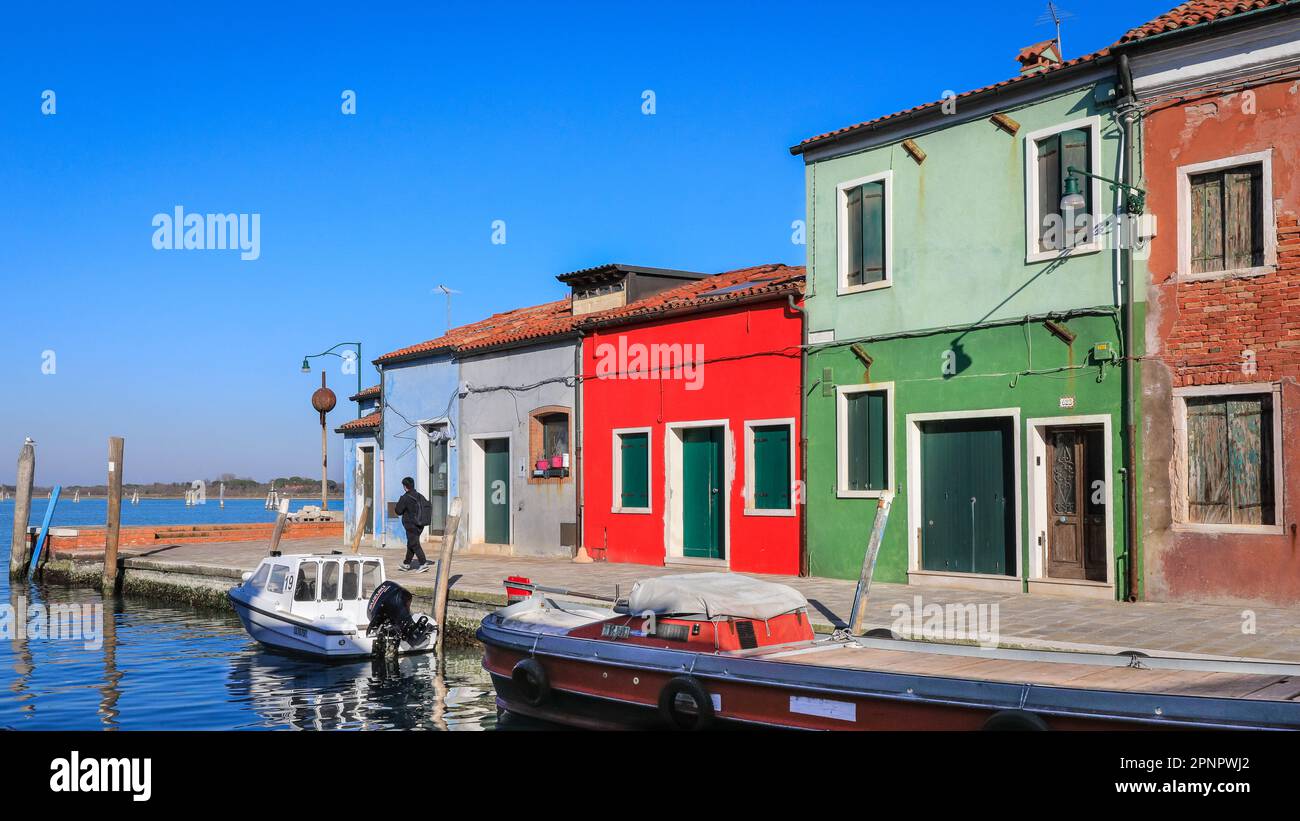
<point>1217,321</point>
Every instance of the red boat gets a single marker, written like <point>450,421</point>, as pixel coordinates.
<point>718,650</point>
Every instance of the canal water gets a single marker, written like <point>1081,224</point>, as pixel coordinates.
<point>158,667</point>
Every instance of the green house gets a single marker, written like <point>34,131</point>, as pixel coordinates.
<point>966,314</point>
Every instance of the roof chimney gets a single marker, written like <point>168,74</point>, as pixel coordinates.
<point>1039,57</point>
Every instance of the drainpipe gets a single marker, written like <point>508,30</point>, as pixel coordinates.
<point>379,439</point>
<point>804,564</point>
<point>579,550</point>
<point>1127,117</point>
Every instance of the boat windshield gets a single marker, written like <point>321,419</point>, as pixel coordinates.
<point>276,582</point>
<point>351,580</point>
<point>258,581</point>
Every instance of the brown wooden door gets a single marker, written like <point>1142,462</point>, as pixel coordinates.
<point>1077,495</point>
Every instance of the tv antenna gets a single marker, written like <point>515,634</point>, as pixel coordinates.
<point>1055,15</point>
<point>447,292</point>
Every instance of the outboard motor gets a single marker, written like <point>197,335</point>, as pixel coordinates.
<point>389,612</point>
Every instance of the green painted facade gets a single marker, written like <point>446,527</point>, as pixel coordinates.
<point>959,328</point>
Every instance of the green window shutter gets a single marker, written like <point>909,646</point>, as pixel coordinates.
<point>1049,191</point>
<point>868,441</point>
<point>1243,241</point>
<point>1250,459</point>
<point>853,224</point>
<point>635,477</point>
<point>1207,223</point>
<point>873,232</point>
<point>1230,460</point>
<point>771,480</point>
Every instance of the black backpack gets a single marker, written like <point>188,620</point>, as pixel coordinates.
<point>423,511</point>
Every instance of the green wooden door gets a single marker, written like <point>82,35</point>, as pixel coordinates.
<point>496,491</point>
<point>967,497</point>
<point>702,513</point>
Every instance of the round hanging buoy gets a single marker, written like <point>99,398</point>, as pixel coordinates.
<point>1015,721</point>
<point>685,704</point>
<point>530,679</point>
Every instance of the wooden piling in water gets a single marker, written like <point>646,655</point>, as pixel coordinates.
<point>18,547</point>
<point>444,573</point>
<point>113,527</point>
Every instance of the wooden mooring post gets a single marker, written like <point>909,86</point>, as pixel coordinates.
<point>113,527</point>
<point>361,528</point>
<point>858,615</point>
<point>280,521</point>
<point>444,573</point>
<point>18,547</point>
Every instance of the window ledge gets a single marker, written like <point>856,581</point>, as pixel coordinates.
<point>1241,530</point>
<point>778,512</point>
<point>641,510</point>
<point>1236,273</point>
<point>861,494</point>
<point>1050,256</point>
<point>845,290</point>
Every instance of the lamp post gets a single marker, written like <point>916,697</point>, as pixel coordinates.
<point>1135,199</point>
<point>306,364</point>
<point>323,400</point>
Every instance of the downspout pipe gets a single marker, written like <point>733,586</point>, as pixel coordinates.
<point>577,448</point>
<point>804,563</point>
<point>1127,118</point>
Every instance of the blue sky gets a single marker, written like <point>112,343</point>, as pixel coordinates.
<point>466,114</point>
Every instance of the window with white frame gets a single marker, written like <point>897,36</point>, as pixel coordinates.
<point>769,462</point>
<point>865,232</point>
<point>631,470</point>
<point>1225,217</point>
<point>1231,457</point>
<point>864,439</point>
<point>1056,160</point>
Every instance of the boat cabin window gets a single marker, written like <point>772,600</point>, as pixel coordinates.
<point>259,578</point>
<point>306,589</point>
<point>329,583</point>
<point>351,580</point>
<point>276,582</point>
<point>369,578</point>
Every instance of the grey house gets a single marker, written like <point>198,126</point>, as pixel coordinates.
<point>520,413</point>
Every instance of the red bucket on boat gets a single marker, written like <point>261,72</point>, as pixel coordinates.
<point>517,594</point>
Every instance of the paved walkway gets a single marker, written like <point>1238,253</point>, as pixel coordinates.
<point>1021,620</point>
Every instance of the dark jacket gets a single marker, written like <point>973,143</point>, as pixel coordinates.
<point>408,507</point>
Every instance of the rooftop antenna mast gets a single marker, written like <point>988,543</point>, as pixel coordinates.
<point>1055,15</point>
<point>447,292</point>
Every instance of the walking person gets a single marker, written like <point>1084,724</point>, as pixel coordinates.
<point>416,512</point>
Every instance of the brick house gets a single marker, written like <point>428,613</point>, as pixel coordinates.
<point>1217,84</point>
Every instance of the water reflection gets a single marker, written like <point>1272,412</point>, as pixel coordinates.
<point>411,693</point>
<point>167,667</point>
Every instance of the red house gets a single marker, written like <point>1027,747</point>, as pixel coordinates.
<point>690,414</point>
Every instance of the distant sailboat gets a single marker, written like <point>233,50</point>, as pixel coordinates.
<point>76,495</point>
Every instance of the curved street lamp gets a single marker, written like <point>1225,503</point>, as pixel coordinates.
<point>306,364</point>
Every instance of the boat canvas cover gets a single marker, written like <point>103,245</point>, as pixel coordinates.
<point>714,595</point>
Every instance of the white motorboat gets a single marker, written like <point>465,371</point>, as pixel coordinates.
<point>330,605</point>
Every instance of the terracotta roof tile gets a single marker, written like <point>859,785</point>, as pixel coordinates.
<point>869,124</point>
<point>1196,12</point>
<point>554,319</point>
<point>368,422</point>
<point>365,393</point>
<point>712,291</point>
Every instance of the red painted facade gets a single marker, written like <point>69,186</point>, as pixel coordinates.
<point>1199,333</point>
<point>750,371</point>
